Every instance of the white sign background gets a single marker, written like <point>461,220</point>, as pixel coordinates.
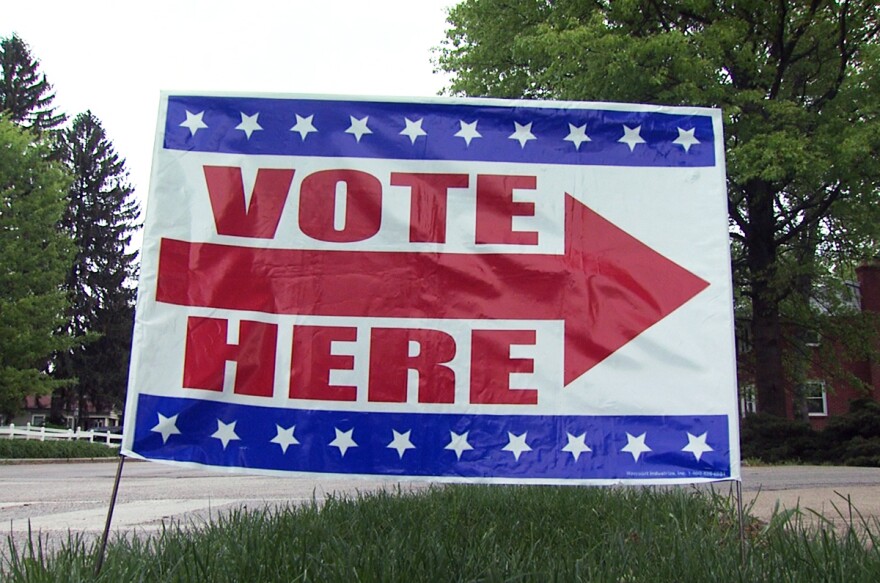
<point>680,367</point>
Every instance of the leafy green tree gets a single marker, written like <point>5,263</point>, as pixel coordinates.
<point>799,85</point>
<point>100,217</point>
<point>25,95</point>
<point>34,258</point>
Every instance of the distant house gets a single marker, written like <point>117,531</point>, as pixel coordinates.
<point>36,411</point>
<point>827,395</point>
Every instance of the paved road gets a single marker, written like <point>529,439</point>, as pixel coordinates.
<point>61,497</point>
<point>57,498</point>
<point>831,491</point>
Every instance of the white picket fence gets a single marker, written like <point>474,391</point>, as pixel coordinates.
<point>47,433</point>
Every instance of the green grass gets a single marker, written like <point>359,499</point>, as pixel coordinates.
<point>32,449</point>
<point>477,533</point>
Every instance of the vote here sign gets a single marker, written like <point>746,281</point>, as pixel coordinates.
<point>451,289</point>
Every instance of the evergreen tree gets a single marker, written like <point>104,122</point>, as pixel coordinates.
<point>25,95</point>
<point>797,80</point>
<point>34,258</point>
<point>100,218</point>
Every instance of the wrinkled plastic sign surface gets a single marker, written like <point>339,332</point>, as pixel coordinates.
<point>532,292</point>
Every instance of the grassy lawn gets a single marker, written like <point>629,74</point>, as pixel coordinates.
<point>478,533</point>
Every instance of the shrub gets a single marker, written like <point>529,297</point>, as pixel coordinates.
<point>852,439</point>
<point>26,449</point>
<point>862,420</point>
<point>774,439</point>
<point>861,452</point>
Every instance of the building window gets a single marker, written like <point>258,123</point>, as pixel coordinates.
<point>748,404</point>
<point>743,338</point>
<point>38,420</point>
<point>816,398</point>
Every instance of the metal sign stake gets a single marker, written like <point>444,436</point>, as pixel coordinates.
<point>106,534</point>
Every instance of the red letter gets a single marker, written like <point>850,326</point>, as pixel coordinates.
<point>363,205</point>
<point>207,351</point>
<point>427,214</point>
<point>491,366</point>
<point>260,219</point>
<point>390,363</point>
<point>496,209</point>
<point>312,362</point>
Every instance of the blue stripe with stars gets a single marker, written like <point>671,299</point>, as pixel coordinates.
<point>514,133</point>
<point>539,447</point>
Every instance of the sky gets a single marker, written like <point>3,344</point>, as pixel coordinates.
<point>113,57</point>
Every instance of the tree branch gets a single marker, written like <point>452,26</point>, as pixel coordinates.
<point>843,62</point>
<point>787,48</point>
<point>736,215</point>
<point>813,212</point>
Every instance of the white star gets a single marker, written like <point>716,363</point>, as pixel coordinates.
<point>468,131</point>
<point>697,445</point>
<point>284,437</point>
<point>167,426</point>
<point>458,443</point>
<point>194,122</point>
<point>304,126</point>
<point>401,442</point>
<point>576,445</point>
<point>522,134</point>
<point>225,433</point>
<point>686,139</point>
<point>413,129</point>
<point>343,441</point>
<point>249,124</point>
<point>577,135</point>
<point>358,127</point>
<point>631,137</point>
<point>516,444</point>
<point>635,445</point>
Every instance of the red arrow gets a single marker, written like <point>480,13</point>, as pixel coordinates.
<point>608,287</point>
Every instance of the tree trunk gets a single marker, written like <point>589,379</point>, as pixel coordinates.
<point>769,372</point>
<point>801,355</point>
<point>57,406</point>
<point>766,331</point>
<point>60,400</point>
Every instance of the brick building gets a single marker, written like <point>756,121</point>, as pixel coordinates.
<point>828,395</point>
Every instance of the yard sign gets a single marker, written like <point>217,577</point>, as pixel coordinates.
<point>450,289</point>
